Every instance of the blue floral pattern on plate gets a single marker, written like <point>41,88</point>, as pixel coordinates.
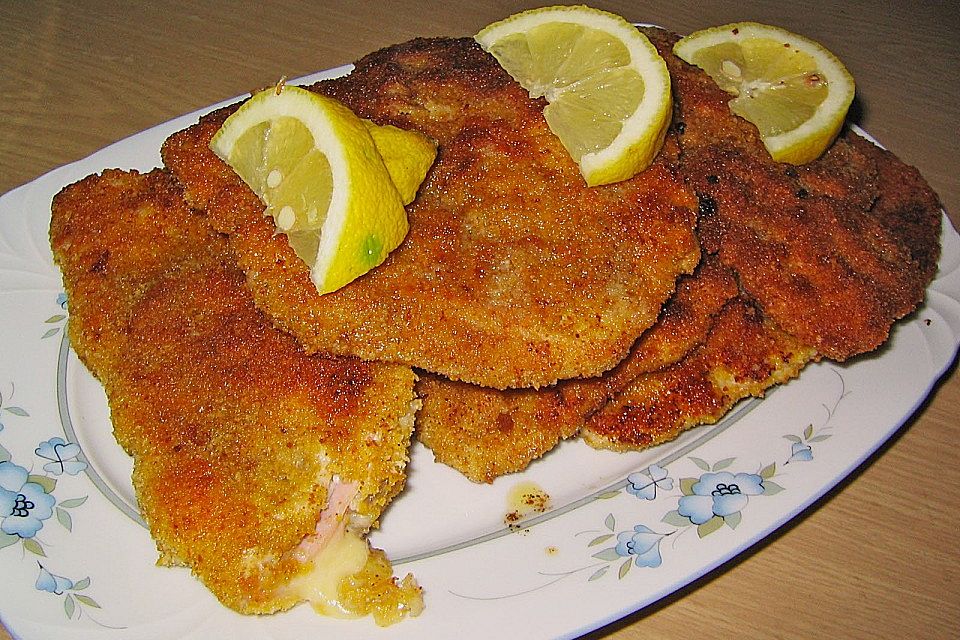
<point>27,500</point>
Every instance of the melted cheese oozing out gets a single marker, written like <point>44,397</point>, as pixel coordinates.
<point>344,556</point>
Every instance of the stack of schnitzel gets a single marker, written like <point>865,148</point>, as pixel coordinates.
<point>528,307</point>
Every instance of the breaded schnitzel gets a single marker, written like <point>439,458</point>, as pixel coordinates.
<point>835,251</point>
<point>514,273</point>
<point>806,267</point>
<point>485,433</point>
<point>256,465</point>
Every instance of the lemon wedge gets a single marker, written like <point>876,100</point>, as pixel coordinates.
<point>408,156</point>
<point>324,181</point>
<point>607,88</point>
<point>794,90</point>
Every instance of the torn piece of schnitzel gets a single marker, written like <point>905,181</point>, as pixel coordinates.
<point>255,465</point>
<point>834,251</point>
<point>485,433</point>
<point>513,274</point>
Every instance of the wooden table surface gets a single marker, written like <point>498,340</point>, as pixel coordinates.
<point>877,557</point>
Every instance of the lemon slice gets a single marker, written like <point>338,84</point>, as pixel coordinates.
<point>317,168</point>
<point>607,88</point>
<point>795,91</point>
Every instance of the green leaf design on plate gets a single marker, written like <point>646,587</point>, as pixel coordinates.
<point>7,539</point>
<point>686,485</point>
<point>820,438</point>
<point>733,520</point>
<point>700,463</point>
<point>69,606</point>
<point>73,502</point>
<point>723,464</point>
<point>675,519</point>
<point>708,527</point>
<point>599,573</point>
<point>64,518</point>
<point>54,319</point>
<point>87,600</point>
<point>769,471</point>
<point>81,585</point>
<point>17,411</point>
<point>49,333</point>
<point>610,522</point>
<point>600,539</point>
<point>793,438</point>
<point>48,483</point>
<point>34,547</point>
<point>625,567</point>
<point>608,555</point>
<point>808,432</point>
<point>771,488</point>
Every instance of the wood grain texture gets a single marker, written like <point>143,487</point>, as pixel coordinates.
<point>874,558</point>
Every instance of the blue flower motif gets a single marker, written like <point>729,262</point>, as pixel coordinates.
<point>719,494</point>
<point>800,452</point>
<point>644,485</point>
<point>62,300</point>
<point>61,455</point>
<point>47,581</point>
<point>23,505</point>
<point>642,542</point>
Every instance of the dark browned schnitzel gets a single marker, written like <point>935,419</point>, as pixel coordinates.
<point>743,355</point>
<point>834,251</point>
<point>252,460</point>
<point>514,273</point>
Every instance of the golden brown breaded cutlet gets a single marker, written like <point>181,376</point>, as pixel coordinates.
<point>513,274</point>
<point>827,255</point>
<point>249,455</point>
<point>710,349</point>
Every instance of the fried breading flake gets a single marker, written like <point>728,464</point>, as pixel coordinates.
<point>514,273</point>
<point>249,455</point>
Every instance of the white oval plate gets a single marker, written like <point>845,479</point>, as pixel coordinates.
<point>86,568</point>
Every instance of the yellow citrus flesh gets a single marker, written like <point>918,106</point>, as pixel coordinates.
<point>794,90</point>
<point>607,88</point>
<point>323,179</point>
<point>408,156</point>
